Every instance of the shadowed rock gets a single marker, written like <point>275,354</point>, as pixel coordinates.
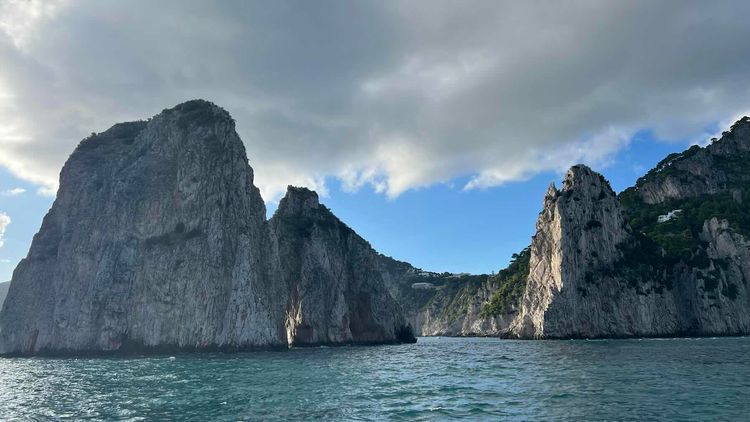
<point>157,240</point>
<point>337,294</point>
<point>3,292</point>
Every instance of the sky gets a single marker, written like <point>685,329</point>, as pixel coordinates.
<point>431,127</point>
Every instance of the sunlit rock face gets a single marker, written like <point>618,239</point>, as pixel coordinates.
<point>578,234</point>
<point>590,275</point>
<point>158,240</point>
<point>683,270</point>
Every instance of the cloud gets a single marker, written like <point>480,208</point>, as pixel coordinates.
<point>395,95</point>
<point>4,223</point>
<point>13,192</point>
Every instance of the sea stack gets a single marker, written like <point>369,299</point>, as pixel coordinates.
<point>158,240</point>
<point>337,294</point>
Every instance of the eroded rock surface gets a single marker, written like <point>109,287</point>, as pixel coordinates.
<point>667,257</point>
<point>592,276</point>
<point>158,240</point>
<point>720,166</point>
<point>336,293</point>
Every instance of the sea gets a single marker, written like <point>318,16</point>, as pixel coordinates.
<point>434,379</point>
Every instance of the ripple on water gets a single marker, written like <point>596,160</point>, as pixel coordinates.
<point>434,379</point>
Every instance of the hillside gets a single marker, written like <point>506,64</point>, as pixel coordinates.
<point>667,257</point>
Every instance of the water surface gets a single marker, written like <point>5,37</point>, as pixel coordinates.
<point>435,379</point>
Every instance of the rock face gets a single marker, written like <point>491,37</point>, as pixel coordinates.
<point>699,171</point>
<point>667,257</point>
<point>450,305</point>
<point>158,239</point>
<point>592,276</point>
<point>3,292</point>
<point>579,236</point>
<point>467,318</point>
<point>336,293</point>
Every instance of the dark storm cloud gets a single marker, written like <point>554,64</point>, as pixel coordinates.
<point>394,94</point>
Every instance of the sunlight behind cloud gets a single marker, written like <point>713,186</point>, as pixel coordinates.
<point>404,99</point>
<point>19,18</point>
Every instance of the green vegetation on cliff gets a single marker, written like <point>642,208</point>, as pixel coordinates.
<point>510,284</point>
<point>714,183</point>
<point>679,236</point>
<point>451,294</point>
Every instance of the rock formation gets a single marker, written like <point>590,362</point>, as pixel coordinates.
<point>336,293</point>
<point>667,257</point>
<point>719,166</point>
<point>450,305</point>
<point>3,292</point>
<point>580,235</point>
<point>459,312</point>
<point>592,275</point>
<point>158,240</point>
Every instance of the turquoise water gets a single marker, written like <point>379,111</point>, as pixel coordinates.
<point>435,379</point>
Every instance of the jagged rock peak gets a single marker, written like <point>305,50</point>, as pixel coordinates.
<point>298,200</point>
<point>579,233</point>
<point>337,292</point>
<point>552,191</point>
<point>580,178</point>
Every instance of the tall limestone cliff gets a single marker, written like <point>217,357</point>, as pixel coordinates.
<point>336,293</point>
<point>580,235</point>
<point>157,240</point>
<point>669,257</point>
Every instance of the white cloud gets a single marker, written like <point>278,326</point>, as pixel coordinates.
<point>4,223</point>
<point>13,192</point>
<point>47,190</point>
<point>397,95</point>
<point>19,18</point>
